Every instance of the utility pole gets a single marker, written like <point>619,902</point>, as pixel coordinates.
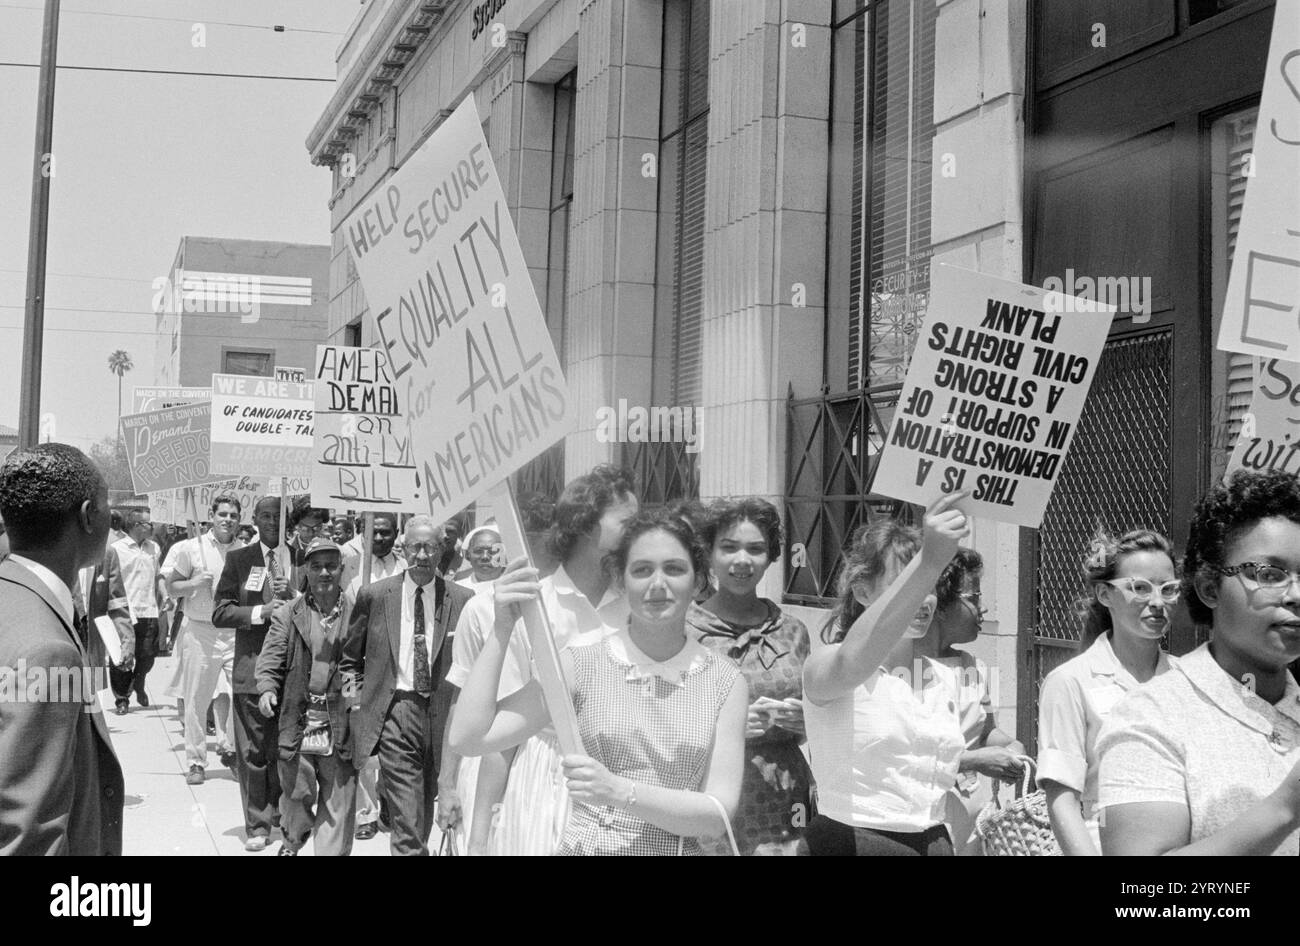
<point>29,411</point>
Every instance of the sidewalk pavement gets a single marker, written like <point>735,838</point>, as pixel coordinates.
<point>164,815</point>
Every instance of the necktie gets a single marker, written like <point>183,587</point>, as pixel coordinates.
<point>273,568</point>
<point>423,684</point>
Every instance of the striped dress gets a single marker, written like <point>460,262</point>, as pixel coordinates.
<point>650,724</point>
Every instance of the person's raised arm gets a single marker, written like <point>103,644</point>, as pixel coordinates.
<point>482,723</point>
<point>837,669</point>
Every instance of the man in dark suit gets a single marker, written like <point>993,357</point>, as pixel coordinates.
<point>254,582</point>
<point>394,667</point>
<point>106,598</point>
<point>60,781</point>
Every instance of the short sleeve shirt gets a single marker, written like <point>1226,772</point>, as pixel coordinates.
<point>186,558</point>
<point>1196,737</point>
<point>1076,699</point>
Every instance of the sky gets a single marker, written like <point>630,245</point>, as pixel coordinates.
<point>142,160</point>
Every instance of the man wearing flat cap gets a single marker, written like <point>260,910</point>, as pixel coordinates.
<point>297,672</point>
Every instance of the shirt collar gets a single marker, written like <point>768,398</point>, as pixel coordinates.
<point>1236,698</point>
<point>61,592</point>
<point>563,585</point>
<point>674,670</point>
<point>1103,663</point>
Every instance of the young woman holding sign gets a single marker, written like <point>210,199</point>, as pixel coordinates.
<point>662,717</point>
<point>1133,586</point>
<point>1205,759</point>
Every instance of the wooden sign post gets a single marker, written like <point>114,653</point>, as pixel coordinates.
<point>537,624</point>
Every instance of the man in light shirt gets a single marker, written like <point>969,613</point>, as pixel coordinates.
<point>207,651</point>
<point>140,557</point>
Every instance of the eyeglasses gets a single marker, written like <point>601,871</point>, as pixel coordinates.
<point>430,549</point>
<point>1141,589</point>
<point>1271,577</point>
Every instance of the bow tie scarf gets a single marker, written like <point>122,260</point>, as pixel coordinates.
<point>760,638</point>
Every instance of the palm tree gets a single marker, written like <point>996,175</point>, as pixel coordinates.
<point>119,363</point>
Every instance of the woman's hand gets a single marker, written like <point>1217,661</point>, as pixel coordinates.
<point>997,762</point>
<point>517,584</point>
<point>757,722</point>
<point>944,527</point>
<point>591,783</point>
<point>790,717</point>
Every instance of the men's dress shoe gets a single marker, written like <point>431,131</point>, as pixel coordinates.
<point>196,775</point>
<point>367,831</point>
<point>228,760</point>
<point>142,697</point>
<point>256,843</point>
<point>121,707</point>
<point>286,851</point>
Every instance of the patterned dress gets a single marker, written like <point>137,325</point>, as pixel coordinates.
<point>775,796</point>
<point>652,725</point>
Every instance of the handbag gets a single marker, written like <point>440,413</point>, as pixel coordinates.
<point>722,813</point>
<point>317,738</point>
<point>1021,827</point>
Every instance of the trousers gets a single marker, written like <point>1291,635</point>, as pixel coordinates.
<point>408,758</point>
<point>256,752</point>
<point>207,656</point>
<point>319,801</point>
<point>146,650</point>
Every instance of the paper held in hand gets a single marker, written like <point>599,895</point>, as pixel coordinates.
<point>993,395</point>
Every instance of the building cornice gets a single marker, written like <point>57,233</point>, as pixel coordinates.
<point>406,26</point>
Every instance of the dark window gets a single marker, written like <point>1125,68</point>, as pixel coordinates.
<point>352,334</point>
<point>683,131</point>
<point>561,204</point>
<point>247,362</point>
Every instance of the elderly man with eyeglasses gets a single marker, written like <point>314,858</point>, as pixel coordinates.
<point>394,665</point>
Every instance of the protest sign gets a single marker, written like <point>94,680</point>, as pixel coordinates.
<point>1261,312</point>
<point>283,373</point>
<point>1270,432</point>
<point>168,449</point>
<point>362,457</point>
<point>261,426</point>
<point>156,398</point>
<point>993,396</point>
<point>466,342</point>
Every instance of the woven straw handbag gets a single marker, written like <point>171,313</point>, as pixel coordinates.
<point>1021,827</point>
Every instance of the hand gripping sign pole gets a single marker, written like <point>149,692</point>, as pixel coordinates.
<point>546,656</point>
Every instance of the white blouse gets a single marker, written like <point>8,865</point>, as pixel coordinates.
<point>886,755</point>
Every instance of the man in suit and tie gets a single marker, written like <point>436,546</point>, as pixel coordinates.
<point>60,781</point>
<point>394,668</point>
<point>254,582</point>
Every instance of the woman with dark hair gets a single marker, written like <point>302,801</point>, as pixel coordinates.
<point>1205,759</point>
<point>958,618</point>
<point>886,748</point>
<point>661,717</point>
<point>742,538</point>
<point>1132,585</point>
<point>582,607</point>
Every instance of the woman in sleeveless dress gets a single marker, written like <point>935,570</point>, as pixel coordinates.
<point>662,718</point>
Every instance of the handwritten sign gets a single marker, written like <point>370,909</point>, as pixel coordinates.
<point>1270,432</point>
<point>156,398</point>
<point>467,346</point>
<point>993,395</point>
<point>168,449</point>
<point>1261,313</point>
<point>362,457</point>
<point>260,425</point>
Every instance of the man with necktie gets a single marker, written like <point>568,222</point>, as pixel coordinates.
<point>394,665</point>
<point>254,582</point>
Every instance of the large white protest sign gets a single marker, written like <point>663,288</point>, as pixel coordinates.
<point>467,345</point>
<point>1270,432</point>
<point>260,425</point>
<point>362,457</point>
<point>1261,313</point>
<point>993,396</point>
